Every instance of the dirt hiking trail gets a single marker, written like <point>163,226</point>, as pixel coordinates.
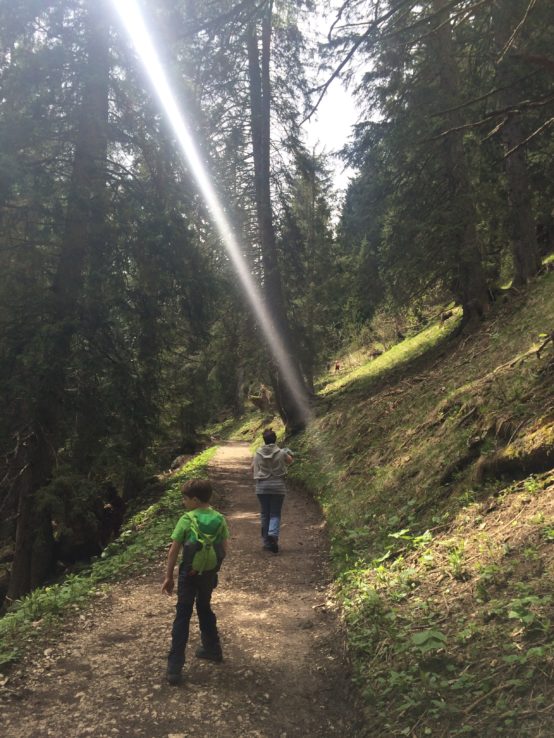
<point>284,673</point>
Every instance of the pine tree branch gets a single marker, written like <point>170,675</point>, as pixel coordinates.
<point>337,19</point>
<point>480,98</point>
<point>372,25</point>
<point>509,111</point>
<point>535,133</point>
<point>233,14</point>
<point>359,41</point>
<point>459,17</point>
<point>515,32</point>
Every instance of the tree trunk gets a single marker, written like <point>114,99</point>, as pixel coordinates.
<point>260,109</point>
<point>238,407</point>
<point>85,220</point>
<point>469,284</point>
<point>522,226</point>
<point>524,246</point>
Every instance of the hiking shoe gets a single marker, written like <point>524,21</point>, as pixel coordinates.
<point>174,677</point>
<point>271,544</point>
<point>209,654</point>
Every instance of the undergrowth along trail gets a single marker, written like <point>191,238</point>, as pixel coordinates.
<point>434,470</point>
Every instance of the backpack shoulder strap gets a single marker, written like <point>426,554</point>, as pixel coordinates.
<point>194,527</point>
<point>200,534</point>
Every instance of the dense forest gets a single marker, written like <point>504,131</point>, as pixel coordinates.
<point>125,330</point>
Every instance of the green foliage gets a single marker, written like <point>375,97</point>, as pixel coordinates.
<point>429,640</point>
<point>145,535</point>
<point>309,259</point>
<point>526,610</point>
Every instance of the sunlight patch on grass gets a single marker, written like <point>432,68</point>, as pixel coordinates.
<point>247,428</point>
<point>398,355</point>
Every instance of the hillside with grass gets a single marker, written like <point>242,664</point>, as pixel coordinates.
<point>433,466</point>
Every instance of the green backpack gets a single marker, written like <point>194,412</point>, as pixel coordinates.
<point>201,553</point>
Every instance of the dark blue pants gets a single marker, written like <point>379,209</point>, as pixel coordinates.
<point>270,514</point>
<point>193,588</point>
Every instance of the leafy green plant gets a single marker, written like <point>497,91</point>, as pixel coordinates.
<point>531,485</point>
<point>429,640</point>
<point>467,498</point>
<point>456,561</point>
<point>526,610</point>
<point>417,541</point>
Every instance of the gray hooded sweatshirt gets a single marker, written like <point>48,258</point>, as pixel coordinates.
<point>270,468</point>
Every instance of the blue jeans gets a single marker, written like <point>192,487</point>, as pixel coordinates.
<point>191,588</point>
<point>270,514</point>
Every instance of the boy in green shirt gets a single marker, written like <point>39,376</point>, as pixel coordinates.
<point>200,529</point>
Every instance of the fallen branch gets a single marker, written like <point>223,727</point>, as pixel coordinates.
<point>485,696</point>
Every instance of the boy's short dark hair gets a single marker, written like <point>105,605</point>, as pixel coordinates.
<point>269,436</point>
<point>199,488</point>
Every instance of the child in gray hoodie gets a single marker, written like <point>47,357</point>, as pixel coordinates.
<point>270,469</point>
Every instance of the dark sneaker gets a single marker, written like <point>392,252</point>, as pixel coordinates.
<point>209,654</point>
<point>174,677</point>
<point>271,544</point>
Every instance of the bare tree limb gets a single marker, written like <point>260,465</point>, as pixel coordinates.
<point>496,129</point>
<point>340,11</point>
<point>516,30</point>
<point>535,133</point>
<point>549,339</point>
<point>480,98</point>
<point>512,110</point>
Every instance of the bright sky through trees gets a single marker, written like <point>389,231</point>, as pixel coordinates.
<point>331,125</point>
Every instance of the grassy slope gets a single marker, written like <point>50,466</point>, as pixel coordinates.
<point>442,535</point>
